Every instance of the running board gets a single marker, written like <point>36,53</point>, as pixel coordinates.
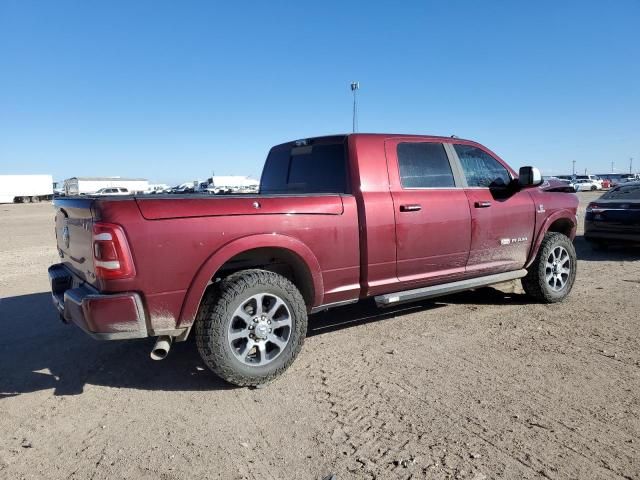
<point>446,288</point>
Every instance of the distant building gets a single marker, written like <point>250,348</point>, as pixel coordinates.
<point>86,185</point>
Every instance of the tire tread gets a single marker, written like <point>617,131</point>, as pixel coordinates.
<point>214,309</point>
<point>533,283</point>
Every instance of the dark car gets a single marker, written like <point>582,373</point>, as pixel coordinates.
<point>615,217</point>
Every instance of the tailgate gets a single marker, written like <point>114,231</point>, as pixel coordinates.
<point>74,225</point>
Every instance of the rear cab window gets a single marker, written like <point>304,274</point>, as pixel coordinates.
<point>424,165</point>
<point>480,168</point>
<point>317,165</point>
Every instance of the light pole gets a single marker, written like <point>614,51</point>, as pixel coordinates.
<point>574,168</point>
<point>631,165</point>
<point>354,88</point>
<point>612,163</point>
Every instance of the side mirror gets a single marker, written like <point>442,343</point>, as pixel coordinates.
<point>529,177</point>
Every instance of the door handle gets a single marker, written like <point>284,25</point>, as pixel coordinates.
<point>482,204</point>
<point>410,208</point>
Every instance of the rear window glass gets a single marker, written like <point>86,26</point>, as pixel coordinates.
<point>320,168</point>
<point>631,192</point>
<point>424,165</point>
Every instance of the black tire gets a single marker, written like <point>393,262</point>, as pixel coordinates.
<point>216,314</point>
<point>593,188</point>
<point>535,283</point>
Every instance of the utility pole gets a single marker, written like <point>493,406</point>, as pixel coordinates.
<point>574,167</point>
<point>354,88</point>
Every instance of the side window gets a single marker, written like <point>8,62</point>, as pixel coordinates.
<point>480,168</point>
<point>424,165</point>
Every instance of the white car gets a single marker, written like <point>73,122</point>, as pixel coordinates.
<point>587,185</point>
<point>593,178</point>
<point>112,191</point>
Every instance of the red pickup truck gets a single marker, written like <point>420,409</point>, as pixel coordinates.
<point>338,219</point>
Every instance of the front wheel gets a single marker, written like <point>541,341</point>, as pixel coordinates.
<point>551,276</point>
<point>251,327</point>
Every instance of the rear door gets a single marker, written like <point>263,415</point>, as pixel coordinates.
<point>502,216</point>
<point>433,223</point>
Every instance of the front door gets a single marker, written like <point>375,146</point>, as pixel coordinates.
<point>433,223</point>
<point>502,216</point>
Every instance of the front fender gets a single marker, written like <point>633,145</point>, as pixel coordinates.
<point>544,228</point>
<point>221,256</point>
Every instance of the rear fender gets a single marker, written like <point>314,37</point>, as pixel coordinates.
<point>544,228</point>
<point>208,270</point>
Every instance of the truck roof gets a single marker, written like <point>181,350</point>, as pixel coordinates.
<point>378,135</point>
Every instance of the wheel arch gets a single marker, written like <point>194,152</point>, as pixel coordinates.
<point>563,221</point>
<point>279,253</point>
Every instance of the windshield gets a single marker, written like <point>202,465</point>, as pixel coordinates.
<point>624,192</point>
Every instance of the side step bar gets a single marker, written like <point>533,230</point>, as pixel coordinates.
<point>446,288</point>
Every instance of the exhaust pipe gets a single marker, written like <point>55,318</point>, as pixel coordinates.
<point>161,349</point>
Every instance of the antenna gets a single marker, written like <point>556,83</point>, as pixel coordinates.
<point>355,86</point>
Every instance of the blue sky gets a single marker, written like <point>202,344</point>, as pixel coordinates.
<point>172,91</point>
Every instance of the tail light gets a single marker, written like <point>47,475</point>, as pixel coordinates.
<point>111,255</point>
<point>593,207</point>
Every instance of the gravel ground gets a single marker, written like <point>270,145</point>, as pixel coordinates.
<point>479,385</point>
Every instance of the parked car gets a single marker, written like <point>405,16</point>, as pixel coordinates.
<point>183,188</point>
<point>112,191</point>
<point>157,188</point>
<point>586,185</point>
<point>338,219</point>
<point>614,217</point>
<point>615,179</point>
<point>592,178</point>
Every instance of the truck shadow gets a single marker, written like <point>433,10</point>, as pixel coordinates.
<point>585,251</point>
<point>39,352</point>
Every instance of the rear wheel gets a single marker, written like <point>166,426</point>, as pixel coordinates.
<point>551,276</point>
<point>251,327</point>
<point>593,188</point>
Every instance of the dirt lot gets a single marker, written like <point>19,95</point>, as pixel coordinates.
<point>477,386</point>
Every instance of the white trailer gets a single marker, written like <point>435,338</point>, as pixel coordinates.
<point>88,185</point>
<point>25,188</point>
